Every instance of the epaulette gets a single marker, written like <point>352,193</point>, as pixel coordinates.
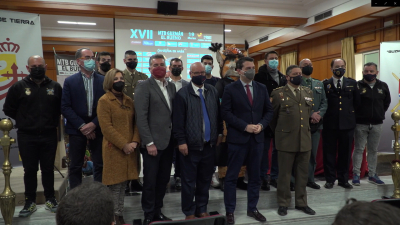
<point>306,88</point>
<point>325,80</point>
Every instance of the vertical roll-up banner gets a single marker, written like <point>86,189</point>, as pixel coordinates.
<point>20,37</point>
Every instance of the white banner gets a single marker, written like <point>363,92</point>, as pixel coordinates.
<point>390,73</point>
<point>20,37</point>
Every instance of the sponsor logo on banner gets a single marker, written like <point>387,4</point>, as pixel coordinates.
<point>8,66</point>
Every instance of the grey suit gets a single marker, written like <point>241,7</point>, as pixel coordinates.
<point>153,118</point>
<point>320,104</point>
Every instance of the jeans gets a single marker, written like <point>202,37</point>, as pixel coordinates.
<point>366,135</point>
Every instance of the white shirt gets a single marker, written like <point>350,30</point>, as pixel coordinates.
<point>196,90</point>
<point>163,87</point>
<point>178,84</point>
<point>335,81</point>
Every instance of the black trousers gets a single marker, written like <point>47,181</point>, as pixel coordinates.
<point>337,143</point>
<point>36,148</point>
<point>77,149</point>
<point>197,170</point>
<point>177,163</point>
<point>156,175</point>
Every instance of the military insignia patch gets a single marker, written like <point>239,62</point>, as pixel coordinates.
<point>329,86</point>
<point>364,90</point>
<point>338,72</point>
<point>380,91</point>
<point>27,91</point>
<point>281,95</point>
<point>50,91</point>
<point>270,99</point>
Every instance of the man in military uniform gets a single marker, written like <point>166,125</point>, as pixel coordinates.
<point>132,78</point>
<point>292,106</point>
<point>318,110</point>
<point>131,75</point>
<point>339,124</point>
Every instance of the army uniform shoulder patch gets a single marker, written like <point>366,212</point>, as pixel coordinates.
<point>28,91</point>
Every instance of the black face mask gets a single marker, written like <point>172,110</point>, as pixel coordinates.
<point>119,86</point>
<point>307,70</point>
<point>105,67</point>
<point>131,65</point>
<point>38,73</point>
<point>369,77</point>
<point>339,72</point>
<point>176,71</point>
<point>296,80</point>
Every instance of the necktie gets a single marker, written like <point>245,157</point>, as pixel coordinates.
<point>298,97</point>
<point>308,81</point>
<point>249,94</point>
<point>338,86</point>
<point>207,131</point>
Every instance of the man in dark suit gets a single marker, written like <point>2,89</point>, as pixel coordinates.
<point>339,123</point>
<point>247,111</point>
<point>153,105</point>
<point>198,129</point>
<point>81,93</point>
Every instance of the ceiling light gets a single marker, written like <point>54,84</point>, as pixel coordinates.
<point>227,30</point>
<point>79,23</point>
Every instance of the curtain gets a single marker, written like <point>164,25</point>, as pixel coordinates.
<point>287,60</point>
<point>348,56</point>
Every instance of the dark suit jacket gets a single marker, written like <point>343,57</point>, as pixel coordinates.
<point>74,103</point>
<point>341,106</point>
<point>153,116</point>
<point>237,112</point>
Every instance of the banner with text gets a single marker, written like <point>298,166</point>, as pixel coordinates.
<point>15,48</point>
<point>389,73</point>
<point>66,66</point>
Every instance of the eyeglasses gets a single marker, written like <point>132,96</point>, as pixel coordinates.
<point>87,58</point>
<point>199,73</point>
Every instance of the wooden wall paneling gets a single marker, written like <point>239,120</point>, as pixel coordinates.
<point>319,69</point>
<point>305,49</point>
<point>390,34</point>
<point>319,47</point>
<point>335,42</point>
<point>288,49</point>
<point>256,59</point>
<point>369,39</point>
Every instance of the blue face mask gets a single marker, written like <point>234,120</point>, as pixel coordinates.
<point>89,65</point>
<point>208,69</point>
<point>273,63</point>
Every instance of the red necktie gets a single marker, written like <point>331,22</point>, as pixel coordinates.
<point>249,94</point>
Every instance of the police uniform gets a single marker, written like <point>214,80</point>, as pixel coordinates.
<point>131,81</point>
<point>319,104</point>
<point>293,141</point>
<point>339,123</point>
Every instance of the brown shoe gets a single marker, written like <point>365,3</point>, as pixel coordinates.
<point>201,215</point>
<point>256,215</point>
<point>190,217</point>
<point>230,218</point>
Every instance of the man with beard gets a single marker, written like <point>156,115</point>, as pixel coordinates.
<point>103,63</point>
<point>35,103</point>
<point>132,78</point>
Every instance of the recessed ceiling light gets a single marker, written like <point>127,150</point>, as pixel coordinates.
<point>227,30</point>
<point>78,23</point>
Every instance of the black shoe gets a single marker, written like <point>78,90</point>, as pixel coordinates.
<point>230,218</point>
<point>274,183</point>
<point>345,185</point>
<point>291,186</point>
<point>222,184</point>
<point>256,215</point>
<point>241,184</point>
<point>178,183</point>
<point>282,210</point>
<point>136,185</point>
<point>147,221</point>
<point>313,185</point>
<point>265,185</point>
<point>329,185</point>
<point>161,217</point>
<point>306,210</point>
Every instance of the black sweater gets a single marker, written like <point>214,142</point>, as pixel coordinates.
<point>35,108</point>
<point>374,102</point>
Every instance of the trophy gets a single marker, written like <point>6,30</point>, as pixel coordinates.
<point>396,161</point>
<point>7,198</point>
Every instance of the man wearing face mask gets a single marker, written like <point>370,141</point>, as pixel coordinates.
<point>81,93</point>
<point>208,62</point>
<point>131,75</point>
<point>153,106</point>
<point>375,100</point>
<point>269,75</point>
<point>318,110</point>
<point>197,125</point>
<point>104,62</point>
<point>339,123</point>
<point>37,129</point>
<point>176,70</point>
<point>292,107</point>
<point>246,110</point>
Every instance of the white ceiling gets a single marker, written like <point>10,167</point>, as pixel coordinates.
<point>50,21</point>
<point>388,12</point>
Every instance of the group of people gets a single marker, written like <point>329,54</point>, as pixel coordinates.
<point>124,113</point>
